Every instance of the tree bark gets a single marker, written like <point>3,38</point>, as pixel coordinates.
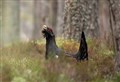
<point>105,23</point>
<point>53,14</point>
<point>60,16</point>
<point>80,15</point>
<point>115,13</point>
<point>72,22</point>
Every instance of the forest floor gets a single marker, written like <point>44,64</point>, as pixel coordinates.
<point>25,62</point>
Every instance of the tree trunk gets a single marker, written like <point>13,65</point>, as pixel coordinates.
<point>72,22</point>
<point>37,20</point>
<point>53,14</point>
<point>1,39</point>
<point>115,11</point>
<point>80,15</point>
<point>105,22</point>
<point>10,21</point>
<point>60,16</point>
<point>26,19</point>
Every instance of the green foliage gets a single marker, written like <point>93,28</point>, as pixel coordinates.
<point>117,77</point>
<point>18,79</point>
<point>21,62</point>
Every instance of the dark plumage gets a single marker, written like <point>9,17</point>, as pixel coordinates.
<point>52,48</point>
<point>82,54</point>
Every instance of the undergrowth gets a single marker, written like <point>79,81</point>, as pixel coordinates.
<point>25,62</point>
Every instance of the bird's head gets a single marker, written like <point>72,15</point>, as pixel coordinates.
<point>47,32</point>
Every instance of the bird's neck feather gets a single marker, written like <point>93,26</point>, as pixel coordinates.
<point>51,41</point>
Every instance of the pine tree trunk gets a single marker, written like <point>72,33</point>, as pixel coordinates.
<point>53,14</point>
<point>115,11</point>
<point>10,21</point>
<point>80,15</point>
<point>72,22</point>
<point>105,25</point>
<point>60,16</point>
<point>37,20</point>
<point>1,39</point>
<point>26,19</point>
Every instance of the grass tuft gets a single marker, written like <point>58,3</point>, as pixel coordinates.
<point>25,62</point>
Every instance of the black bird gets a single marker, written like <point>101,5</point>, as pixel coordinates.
<point>82,53</point>
<point>52,48</point>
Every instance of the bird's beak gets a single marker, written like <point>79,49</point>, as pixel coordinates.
<point>44,27</point>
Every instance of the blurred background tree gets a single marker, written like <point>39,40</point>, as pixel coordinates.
<point>10,21</point>
<point>22,20</point>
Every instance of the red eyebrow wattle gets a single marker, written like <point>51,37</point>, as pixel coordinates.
<point>49,29</point>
